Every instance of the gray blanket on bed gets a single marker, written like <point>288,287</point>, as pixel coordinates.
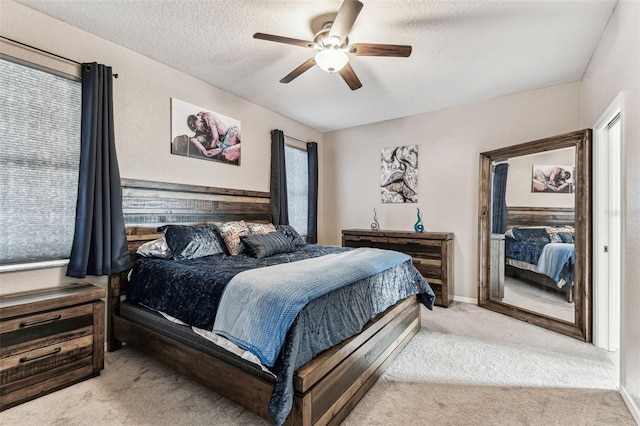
<point>274,295</point>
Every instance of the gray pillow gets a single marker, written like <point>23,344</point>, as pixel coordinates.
<point>264,245</point>
<point>156,248</point>
<point>291,233</point>
<point>567,237</point>
<point>532,235</point>
<point>193,241</point>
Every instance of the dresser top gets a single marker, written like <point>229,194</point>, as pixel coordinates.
<point>400,234</point>
<point>27,302</point>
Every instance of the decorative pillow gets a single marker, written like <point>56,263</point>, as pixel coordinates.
<point>556,229</point>
<point>532,235</point>
<point>192,241</point>
<point>231,233</point>
<point>156,248</point>
<point>567,237</point>
<point>555,238</point>
<point>261,228</point>
<point>291,233</point>
<point>263,245</point>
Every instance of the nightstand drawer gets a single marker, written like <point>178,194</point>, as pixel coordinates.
<point>31,331</point>
<point>42,359</point>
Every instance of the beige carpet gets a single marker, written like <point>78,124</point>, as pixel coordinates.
<point>467,366</point>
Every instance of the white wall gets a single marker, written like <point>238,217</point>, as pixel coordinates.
<point>450,142</point>
<point>520,175</point>
<point>142,96</point>
<point>615,68</point>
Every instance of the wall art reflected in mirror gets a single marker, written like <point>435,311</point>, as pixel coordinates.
<point>534,232</point>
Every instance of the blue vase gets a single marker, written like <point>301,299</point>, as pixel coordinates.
<point>418,226</point>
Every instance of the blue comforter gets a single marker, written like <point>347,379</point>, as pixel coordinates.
<point>276,294</point>
<point>556,260</point>
<point>190,290</point>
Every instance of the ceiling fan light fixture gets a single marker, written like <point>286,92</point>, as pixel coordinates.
<point>331,60</point>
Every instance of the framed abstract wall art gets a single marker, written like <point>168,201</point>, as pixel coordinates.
<point>197,132</point>
<point>399,174</point>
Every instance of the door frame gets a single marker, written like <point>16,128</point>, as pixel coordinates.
<point>607,168</point>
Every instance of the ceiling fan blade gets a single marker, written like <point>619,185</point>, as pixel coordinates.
<point>371,49</point>
<point>285,40</point>
<point>345,18</point>
<point>349,76</point>
<point>295,73</point>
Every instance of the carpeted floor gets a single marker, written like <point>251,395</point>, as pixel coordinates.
<point>467,366</point>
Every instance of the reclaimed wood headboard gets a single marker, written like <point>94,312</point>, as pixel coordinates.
<point>540,216</point>
<point>147,205</point>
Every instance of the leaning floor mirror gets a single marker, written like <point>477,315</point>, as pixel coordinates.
<point>535,233</point>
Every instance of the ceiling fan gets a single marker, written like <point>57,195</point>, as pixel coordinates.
<point>333,48</point>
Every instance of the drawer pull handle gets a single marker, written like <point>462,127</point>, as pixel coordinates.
<point>42,321</point>
<point>33,358</point>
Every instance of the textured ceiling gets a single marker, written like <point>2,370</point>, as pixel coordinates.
<point>462,51</point>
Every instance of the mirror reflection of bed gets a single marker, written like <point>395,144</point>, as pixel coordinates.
<point>535,233</point>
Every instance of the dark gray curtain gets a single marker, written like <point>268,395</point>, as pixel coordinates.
<point>499,207</point>
<point>99,243</point>
<point>312,215</point>
<point>279,207</point>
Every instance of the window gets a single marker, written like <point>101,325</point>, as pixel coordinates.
<point>40,115</point>
<point>297,166</point>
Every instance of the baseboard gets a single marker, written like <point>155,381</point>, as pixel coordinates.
<point>465,300</point>
<point>635,410</point>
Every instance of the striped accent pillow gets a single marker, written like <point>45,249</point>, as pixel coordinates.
<point>264,245</point>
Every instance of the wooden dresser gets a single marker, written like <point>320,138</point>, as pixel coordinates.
<point>432,254</point>
<point>49,339</point>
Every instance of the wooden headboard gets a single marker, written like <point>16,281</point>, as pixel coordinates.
<point>147,205</point>
<point>540,216</point>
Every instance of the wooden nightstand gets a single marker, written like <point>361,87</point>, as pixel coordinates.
<point>49,339</point>
<point>432,254</point>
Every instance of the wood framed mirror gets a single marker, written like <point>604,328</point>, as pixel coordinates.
<point>535,239</point>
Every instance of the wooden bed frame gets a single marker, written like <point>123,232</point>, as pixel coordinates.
<point>539,216</point>
<point>326,389</point>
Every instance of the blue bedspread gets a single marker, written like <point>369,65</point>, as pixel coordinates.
<point>275,295</point>
<point>556,258</point>
<point>525,251</point>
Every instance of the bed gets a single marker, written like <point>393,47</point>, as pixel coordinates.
<point>539,247</point>
<point>323,389</point>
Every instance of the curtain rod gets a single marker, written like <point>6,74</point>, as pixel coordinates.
<point>46,52</point>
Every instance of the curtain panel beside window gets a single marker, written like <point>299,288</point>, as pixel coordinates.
<point>312,213</point>
<point>99,244</point>
<point>279,206</point>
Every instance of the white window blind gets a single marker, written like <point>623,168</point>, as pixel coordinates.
<point>40,116</point>
<point>297,187</point>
